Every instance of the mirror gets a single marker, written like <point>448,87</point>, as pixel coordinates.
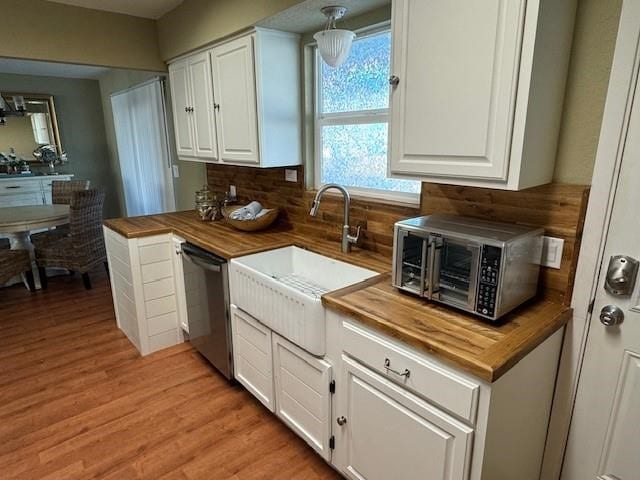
<point>38,126</point>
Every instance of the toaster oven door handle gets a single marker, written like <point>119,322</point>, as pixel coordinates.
<point>473,275</point>
<point>432,268</point>
<point>425,272</point>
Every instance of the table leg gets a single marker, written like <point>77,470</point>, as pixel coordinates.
<point>22,240</point>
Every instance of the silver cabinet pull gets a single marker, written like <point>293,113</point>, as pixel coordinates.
<point>394,80</point>
<point>387,365</point>
<point>216,106</point>
<point>13,186</point>
<point>341,421</point>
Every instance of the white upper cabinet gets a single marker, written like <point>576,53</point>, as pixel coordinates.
<point>245,95</point>
<point>235,80</point>
<point>181,101</point>
<point>202,107</point>
<point>478,90</point>
<point>192,101</point>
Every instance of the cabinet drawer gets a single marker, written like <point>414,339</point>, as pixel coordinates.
<point>428,379</point>
<point>20,186</point>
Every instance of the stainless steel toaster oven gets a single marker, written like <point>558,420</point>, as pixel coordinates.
<point>486,268</point>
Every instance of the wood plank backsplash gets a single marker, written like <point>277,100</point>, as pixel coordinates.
<point>269,188</point>
<point>558,208</point>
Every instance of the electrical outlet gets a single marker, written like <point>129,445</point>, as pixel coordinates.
<point>232,191</point>
<point>552,251</point>
<point>176,171</point>
<point>291,175</point>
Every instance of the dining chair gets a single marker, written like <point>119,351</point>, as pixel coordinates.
<point>15,262</point>
<point>83,247</point>
<point>61,193</point>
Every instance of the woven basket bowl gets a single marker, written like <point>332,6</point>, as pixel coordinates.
<point>250,225</point>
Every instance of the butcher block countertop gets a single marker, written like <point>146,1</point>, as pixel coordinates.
<point>227,242</point>
<point>486,350</point>
<point>481,348</point>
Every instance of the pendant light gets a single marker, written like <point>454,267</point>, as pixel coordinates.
<point>334,44</point>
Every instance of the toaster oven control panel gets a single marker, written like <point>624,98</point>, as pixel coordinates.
<point>488,282</point>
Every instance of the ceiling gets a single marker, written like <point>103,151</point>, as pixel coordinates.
<point>306,16</point>
<point>49,69</point>
<point>139,8</point>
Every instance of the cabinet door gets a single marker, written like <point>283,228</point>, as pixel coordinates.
<point>303,399</point>
<point>234,81</point>
<point>204,130</point>
<point>181,103</point>
<point>391,433</point>
<point>179,278</point>
<point>252,356</point>
<point>452,109</point>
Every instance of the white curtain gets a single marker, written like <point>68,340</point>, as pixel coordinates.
<point>141,134</point>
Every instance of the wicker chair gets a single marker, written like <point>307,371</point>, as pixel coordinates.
<point>15,262</point>
<point>61,193</point>
<point>83,248</point>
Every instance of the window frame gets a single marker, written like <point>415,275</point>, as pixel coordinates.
<point>357,117</point>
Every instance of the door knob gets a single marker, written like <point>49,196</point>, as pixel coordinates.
<point>341,421</point>
<point>611,315</point>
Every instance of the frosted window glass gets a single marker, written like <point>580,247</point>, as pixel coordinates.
<point>362,81</point>
<point>356,156</point>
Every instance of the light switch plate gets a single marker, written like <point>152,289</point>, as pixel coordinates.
<point>552,252</point>
<point>176,171</point>
<point>291,175</point>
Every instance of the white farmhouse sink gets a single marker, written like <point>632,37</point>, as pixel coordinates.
<point>282,289</point>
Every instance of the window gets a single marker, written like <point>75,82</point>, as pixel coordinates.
<point>352,116</point>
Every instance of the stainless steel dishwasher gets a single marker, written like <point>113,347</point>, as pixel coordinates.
<point>206,281</point>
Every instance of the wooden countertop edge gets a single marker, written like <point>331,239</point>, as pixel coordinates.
<point>488,366</point>
<point>523,344</point>
<point>158,229</point>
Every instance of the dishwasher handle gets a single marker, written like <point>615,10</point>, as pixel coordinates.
<point>202,258</point>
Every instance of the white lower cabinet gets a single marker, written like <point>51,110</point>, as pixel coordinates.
<point>303,393</point>
<point>388,432</point>
<point>378,409</point>
<point>143,286</point>
<point>252,356</point>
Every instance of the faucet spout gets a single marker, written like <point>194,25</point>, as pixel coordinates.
<point>347,238</point>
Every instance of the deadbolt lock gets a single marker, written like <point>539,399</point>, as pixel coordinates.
<point>621,275</point>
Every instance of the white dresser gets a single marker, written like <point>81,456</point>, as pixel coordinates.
<point>28,190</point>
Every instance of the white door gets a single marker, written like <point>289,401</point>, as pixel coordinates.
<point>452,109</point>
<point>234,80</point>
<point>389,433</point>
<point>303,398</point>
<point>204,128</point>
<point>139,118</point>
<point>604,440</point>
<point>181,102</point>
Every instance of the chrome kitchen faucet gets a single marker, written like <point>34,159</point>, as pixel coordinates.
<point>347,238</point>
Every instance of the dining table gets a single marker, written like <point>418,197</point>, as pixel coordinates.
<point>17,223</point>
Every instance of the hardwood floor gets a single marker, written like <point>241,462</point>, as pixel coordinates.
<point>78,402</point>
